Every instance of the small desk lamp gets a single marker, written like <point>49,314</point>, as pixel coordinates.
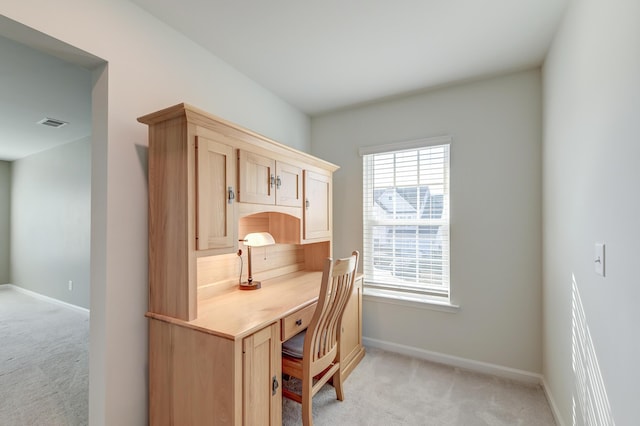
<point>255,239</point>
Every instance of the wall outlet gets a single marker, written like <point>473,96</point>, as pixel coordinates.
<point>70,285</point>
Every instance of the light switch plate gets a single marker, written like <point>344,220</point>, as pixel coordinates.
<point>598,259</point>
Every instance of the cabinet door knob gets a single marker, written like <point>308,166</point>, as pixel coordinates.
<point>231,195</point>
<point>299,322</point>
<point>272,180</point>
<point>274,385</point>
<point>278,182</point>
<point>306,203</point>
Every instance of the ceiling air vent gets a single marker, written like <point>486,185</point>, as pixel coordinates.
<point>52,122</point>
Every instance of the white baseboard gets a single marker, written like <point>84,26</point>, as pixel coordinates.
<point>49,299</point>
<point>454,361</point>
<point>552,403</point>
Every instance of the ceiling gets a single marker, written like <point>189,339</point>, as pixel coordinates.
<point>318,56</point>
<point>325,55</point>
<point>35,86</point>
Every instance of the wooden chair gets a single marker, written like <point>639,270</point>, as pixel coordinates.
<point>315,352</point>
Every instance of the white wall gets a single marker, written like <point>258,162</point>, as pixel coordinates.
<point>495,214</point>
<point>5,220</point>
<point>591,176</point>
<point>51,222</point>
<point>150,66</point>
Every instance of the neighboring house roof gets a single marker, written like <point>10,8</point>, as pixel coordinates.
<point>392,202</point>
<point>404,200</point>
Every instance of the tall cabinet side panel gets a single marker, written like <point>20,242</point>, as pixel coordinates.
<point>191,377</point>
<point>171,185</point>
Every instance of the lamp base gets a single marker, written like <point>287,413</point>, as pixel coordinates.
<point>250,286</point>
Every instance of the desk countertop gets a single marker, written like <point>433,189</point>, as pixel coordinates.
<point>239,313</point>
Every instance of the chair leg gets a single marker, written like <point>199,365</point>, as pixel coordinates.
<point>307,398</point>
<point>337,384</point>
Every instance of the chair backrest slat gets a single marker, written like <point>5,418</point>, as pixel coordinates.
<point>337,284</point>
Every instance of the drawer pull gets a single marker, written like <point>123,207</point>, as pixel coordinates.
<point>299,322</point>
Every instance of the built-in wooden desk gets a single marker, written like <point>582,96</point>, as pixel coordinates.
<point>237,314</point>
<point>224,367</point>
<point>214,351</point>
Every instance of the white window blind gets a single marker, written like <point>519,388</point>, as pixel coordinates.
<point>406,218</point>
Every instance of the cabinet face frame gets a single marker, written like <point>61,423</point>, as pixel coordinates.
<point>216,174</point>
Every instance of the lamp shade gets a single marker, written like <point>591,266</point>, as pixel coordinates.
<point>258,239</point>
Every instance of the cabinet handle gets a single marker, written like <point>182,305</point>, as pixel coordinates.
<point>272,181</point>
<point>306,203</point>
<point>278,182</point>
<point>299,322</point>
<point>274,385</point>
<point>231,195</point>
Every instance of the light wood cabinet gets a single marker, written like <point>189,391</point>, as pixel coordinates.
<point>263,180</point>
<point>257,175</point>
<point>262,371</point>
<point>215,195</point>
<point>214,350</point>
<point>288,185</point>
<point>186,368</point>
<point>224,368</point>
<point>351,348</point>
<point>200,379</point>
<point>318,208</point>
<point>172,227</point>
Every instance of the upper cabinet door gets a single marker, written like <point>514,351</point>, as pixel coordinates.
<point>317,208</point>
<point>288,185</point>
<point>215,195</point>
<point>257,178</point>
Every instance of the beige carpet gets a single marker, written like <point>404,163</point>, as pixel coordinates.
<point>44,381</point>
<point>390,389</point>
<point>44,362</point>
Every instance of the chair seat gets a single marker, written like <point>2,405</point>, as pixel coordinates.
<point>294,346</point>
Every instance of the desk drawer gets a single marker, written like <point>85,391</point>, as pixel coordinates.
<point>296,322</point>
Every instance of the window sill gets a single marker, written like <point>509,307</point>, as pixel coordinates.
<point>413,301</point>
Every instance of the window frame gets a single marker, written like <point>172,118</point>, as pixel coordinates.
<point>410,295</point>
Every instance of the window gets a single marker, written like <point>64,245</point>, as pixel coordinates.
<point>406,219</point>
